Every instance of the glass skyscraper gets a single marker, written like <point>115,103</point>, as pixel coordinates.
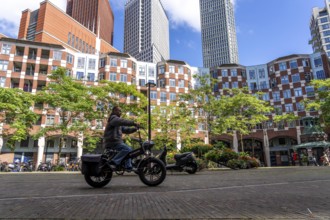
<point>146,31</point>
<point>218,32</point>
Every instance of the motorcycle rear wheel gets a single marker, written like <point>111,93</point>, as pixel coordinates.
<point>192,168</point>
<point>99,181</point>
<point>152,172</point>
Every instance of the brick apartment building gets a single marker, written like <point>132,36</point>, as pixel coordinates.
<point>49,38</point>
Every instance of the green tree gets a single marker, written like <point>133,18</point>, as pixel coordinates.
<point>322,101</point>
<point>176,125</point>
<point>16,116</point>
<point>239,112</point>
<point>74,103</point>
<point>203,101</point>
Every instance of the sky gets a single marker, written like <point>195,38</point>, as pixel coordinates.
<point>266,29</point>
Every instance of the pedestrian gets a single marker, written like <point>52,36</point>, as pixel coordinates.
<point>325,159</point>
<point>314,160</point>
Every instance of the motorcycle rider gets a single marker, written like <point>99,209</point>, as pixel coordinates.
<point>112,138</point>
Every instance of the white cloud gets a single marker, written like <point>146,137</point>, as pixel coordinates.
<point>180,13</point>
<point>11,11</point>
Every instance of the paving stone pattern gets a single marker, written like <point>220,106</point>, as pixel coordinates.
<point>265,193</point>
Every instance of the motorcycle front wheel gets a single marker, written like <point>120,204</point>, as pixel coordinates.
<point>152,171</point>
<point>99,181</point>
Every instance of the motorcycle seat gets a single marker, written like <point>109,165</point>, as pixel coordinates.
<point>180,156</point>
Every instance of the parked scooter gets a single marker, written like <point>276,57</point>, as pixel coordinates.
<point>27,166</point>
<point>183,162</point>
<point>13,167</point>
<point>45,166</point>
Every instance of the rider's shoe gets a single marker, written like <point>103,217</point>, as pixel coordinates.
<point>131,169</point>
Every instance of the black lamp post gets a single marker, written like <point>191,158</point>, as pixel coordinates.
<point>149,84</point>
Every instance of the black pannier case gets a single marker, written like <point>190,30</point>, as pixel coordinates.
<point>91,164</point>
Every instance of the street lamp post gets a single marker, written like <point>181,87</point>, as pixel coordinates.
<point>149,84</point>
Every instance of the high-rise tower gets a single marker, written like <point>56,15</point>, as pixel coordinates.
<point>320,29</point>
<point>218,32</point>
<point>146,30</point>
<point>96,15</point>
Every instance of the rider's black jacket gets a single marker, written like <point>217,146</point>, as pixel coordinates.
<point>114,130</point>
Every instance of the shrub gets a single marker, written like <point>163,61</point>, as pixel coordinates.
<point>202,164</point>
<point>227,155</point>
<point>59,168</point>
<point>198,149</point>
<point>213,155</point>
<point>234,164</point>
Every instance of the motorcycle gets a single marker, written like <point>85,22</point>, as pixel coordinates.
<point>98,171</point>
<point>27,167</point>
<point>45,166</point>
<point>13,167</point>
<point>183,162</point>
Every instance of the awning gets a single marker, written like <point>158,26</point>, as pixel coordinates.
<point>310,145</point>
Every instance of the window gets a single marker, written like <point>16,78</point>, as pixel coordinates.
<point>91,77</point>
<point>278,109</point>
<point>181,83</point>
<point>282,66</point>
<point>161,70</point>
<point>2,81</point>
<point>5,48</point>
<point>320,74</point>
<point>172,97</point>
<point>224,73</point>
<point>233,72</point>
<point>101,76</point>
<point>201,126</point>
<point>142,71</point>
<point>263,85</point>
<point>69,58</point>
<point>123,78</point>
<point>113,76</point>
<point>325,26</point>
<point>163,96</point>
<point>323,20</point>
<point>252,74</point>
<point>80,75</point>
<point>172,69</point>
<point>306,62</point>
<point>102,62</point>
<point>123,63</point>
<point>276,96</point>
<point>262,74</point>
<point>50,120</point>
<point>3,65</point>
<point>91,64</point>
<point>308,77</point>
<point>253,86</point>
<point>142,82</point>
<point>326,33</point>
<point>113,62</point>
<point>293,64</point>
<point>81,62</point>
<point>57,55</point>
<point>162,83</point>
<point>234,84</point>
<point>265,97</point>
<point>300,106</point>
<point>180,69</point>
<point>310,91</point>
<point>287,93</point>
<point>288,107</point>
<point>298,92</point>
<point>284,79</point>
<point>153,95</point>
<point>295,78</point>
<point>151,71</point>
<point>172,83</point>
<point>317,62</point>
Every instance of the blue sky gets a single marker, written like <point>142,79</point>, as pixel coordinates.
<point>266,29</point>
